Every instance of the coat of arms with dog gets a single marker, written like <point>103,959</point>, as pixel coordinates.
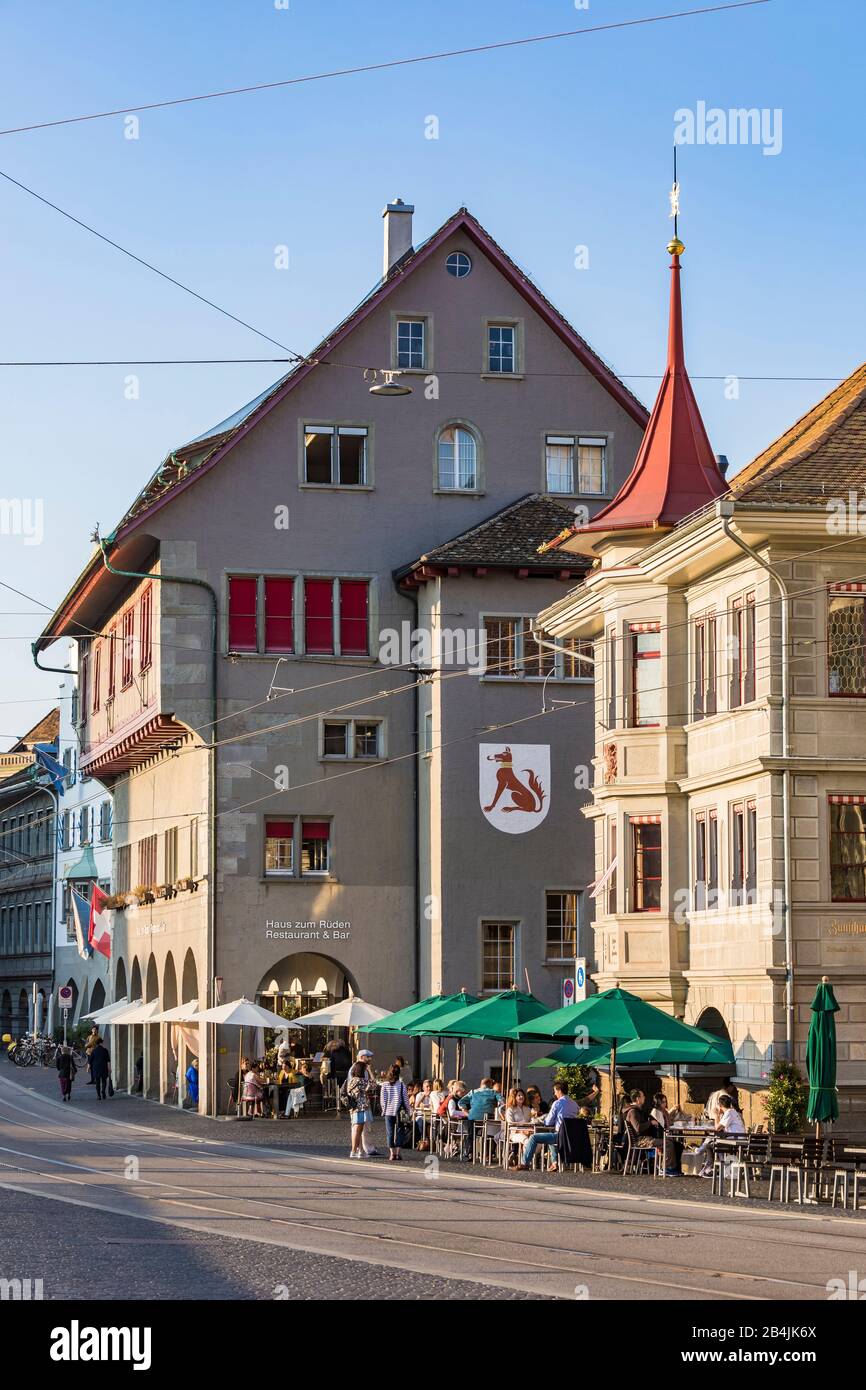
<point>514,785</point>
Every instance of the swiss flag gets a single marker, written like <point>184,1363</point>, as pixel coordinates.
<point>101,922</point>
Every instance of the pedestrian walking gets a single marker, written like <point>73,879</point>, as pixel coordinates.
<point>100,1069</point>
<point>394,1100</point>
<point>89,1044</point>
<point>65,1063</point>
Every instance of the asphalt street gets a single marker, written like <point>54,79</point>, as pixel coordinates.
<point>86,1196</point>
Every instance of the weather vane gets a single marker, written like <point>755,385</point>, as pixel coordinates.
<point>675,246</point>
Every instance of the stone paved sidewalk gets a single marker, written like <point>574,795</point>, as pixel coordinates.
<point>328,1135</point>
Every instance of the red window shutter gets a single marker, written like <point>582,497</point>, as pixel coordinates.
<point>315,830</point>
<point>319,615</point>
<point>128,644</point>
<point>242,613</point>
<point>279,626</point>
<point>82,687</point>
<point>97,664</point>
<point>112,642</point>
<point>353,617</point>
<point>145,628</point>
<point>279,829</point>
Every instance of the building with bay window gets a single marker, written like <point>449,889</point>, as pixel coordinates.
<point>312,668</point>
<point>729,799</point>
<point>84,855</point>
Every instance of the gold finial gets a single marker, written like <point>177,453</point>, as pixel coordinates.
<point>675,247</point>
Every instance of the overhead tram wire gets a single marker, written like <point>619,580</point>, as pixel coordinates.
<point>90,632</point>
<point>760,666</point>
<point>385,64</point>
<point>148,265</point>
<point>356,366</point>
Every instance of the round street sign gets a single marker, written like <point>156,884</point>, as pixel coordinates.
<point>581,977</point>
<point>64,996</point>
<point>567,991</point>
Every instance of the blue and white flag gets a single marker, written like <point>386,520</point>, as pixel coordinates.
<point>81,921</point>
<point>56,771</point>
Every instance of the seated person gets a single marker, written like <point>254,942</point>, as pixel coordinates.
<point>637,1121</point>
<point>458,1112</point>
<point>253,1089</point>
<point>563,1108</point>
<point>672,1148</point>
<point>730,1123</point>
<point>437,1093</point>
<point>535,1103</point>
<point>481,1104</point>
<point>517,1116</point>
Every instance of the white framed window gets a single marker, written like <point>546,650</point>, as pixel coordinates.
<point>411,344</point>
<point>279,847</point>
<point>335,455</point>
<point>562,922</point>
<point>502,348</point>
<point>575,465</point>
<point>512,653</point>
<point>457,452</point>
<point>297,847</point>
<point>559,463</point>
<point>352,739</point>
<point>591,465</point>
<point>498,956</point>
<point>105,822</point>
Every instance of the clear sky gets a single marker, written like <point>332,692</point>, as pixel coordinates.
<point>552,146</point>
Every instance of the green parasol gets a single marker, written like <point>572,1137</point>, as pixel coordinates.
<point>823,1105</point>
<point>616,1017</point>
<point>414,1013</point>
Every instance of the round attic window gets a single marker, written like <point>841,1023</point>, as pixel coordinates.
<point>458,264</point>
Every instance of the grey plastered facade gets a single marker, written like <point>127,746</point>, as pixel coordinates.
<point>356,925</point>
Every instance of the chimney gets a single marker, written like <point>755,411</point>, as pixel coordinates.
<point>398,233</point>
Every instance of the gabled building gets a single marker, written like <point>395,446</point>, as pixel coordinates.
<point>729,797</point>
<point>275,831</point>
<point>28,867</point>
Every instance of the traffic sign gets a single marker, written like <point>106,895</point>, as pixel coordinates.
<point>580,978</point>
<point>567,992</point>
<point>65,996</point>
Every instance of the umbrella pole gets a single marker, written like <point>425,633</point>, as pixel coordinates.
<point>612,1107</point>
<point>677,1071</point>
<point>240,1052</point>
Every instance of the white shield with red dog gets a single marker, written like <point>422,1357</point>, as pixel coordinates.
<point>514,785</point>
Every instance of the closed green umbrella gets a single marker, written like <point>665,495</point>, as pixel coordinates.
<point>616,1017</point>
<point>823,1104</point>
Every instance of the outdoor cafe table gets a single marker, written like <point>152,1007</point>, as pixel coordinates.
<point>683,1133</point>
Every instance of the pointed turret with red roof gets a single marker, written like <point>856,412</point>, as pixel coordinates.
<point>675,472</point>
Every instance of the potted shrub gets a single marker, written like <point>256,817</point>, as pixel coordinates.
<point>787,1097</point>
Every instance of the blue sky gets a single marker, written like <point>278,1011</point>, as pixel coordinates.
<point>552,146</point>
